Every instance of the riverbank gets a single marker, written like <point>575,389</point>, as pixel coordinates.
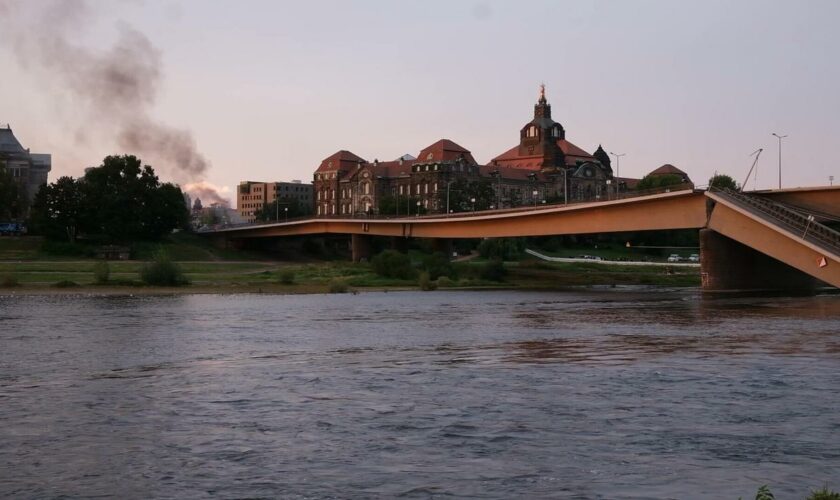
<point>75,277</point>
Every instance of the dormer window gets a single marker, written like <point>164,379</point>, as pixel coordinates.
<point>531,131</point>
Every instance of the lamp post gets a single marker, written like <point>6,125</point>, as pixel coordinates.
<point>535,193</point>
<point>780,137</point>
<point>418,208</point>
<point>473,204</point>
<point>608,189</point>
<point>498,175</point>
<point>447,195</point>
<point>617,161</point>
<point>566,186</point>
<point>830,180</point>
<point>286,211</point>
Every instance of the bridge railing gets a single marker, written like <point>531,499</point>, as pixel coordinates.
<point>796,221</point>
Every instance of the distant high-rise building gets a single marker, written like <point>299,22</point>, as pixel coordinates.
<point>253,196</point>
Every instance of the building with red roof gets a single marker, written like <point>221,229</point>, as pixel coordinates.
<point>544,165</point>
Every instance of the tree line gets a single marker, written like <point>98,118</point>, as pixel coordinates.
<point>121,200</point>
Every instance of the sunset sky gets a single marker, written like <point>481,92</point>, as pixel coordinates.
<point>268,88</point>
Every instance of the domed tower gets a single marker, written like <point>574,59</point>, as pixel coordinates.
<point>540,136</point>
<point>604,159</point>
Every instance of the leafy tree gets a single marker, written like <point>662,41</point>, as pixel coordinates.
<point>437,265</point>
<point>393,264</point>
<point>462,192</point>
<point>11,196</point>
<point>277,209</point>
<point>657,181</point>
<point>124,201</point>
<point>723,181</point>
<point>501,248</point>
<point>57,210</point>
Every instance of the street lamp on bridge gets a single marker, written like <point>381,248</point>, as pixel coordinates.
<point>617,161</point>
<point>780,137</point>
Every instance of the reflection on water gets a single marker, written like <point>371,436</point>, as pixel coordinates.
<point>599,394</point>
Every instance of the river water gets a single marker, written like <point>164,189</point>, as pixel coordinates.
<point>617,393</point>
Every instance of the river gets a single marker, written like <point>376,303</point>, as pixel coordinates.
<point>614,393</point>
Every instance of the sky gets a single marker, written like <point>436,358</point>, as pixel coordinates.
<point>264,90</point>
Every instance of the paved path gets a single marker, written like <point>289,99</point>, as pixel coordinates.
<point>611,262</point>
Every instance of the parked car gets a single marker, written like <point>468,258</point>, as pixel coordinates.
<point>674,258</point>
<point>12,228</point>
<point>694,258</point>
<point>590,257</point>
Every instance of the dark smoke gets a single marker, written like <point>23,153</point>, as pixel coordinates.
<point>118,87</point>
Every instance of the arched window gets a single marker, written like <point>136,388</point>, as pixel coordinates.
<point>367,187</point>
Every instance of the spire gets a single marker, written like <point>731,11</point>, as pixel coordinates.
<point>542,94</point>
<point>542,109</point>
<point>602,157</point>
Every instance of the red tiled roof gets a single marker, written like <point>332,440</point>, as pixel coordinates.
<point>668,169</point>
<point>342,160</point>
<point>512,158</point>
<point>511,173</point>
<point>444,150</point>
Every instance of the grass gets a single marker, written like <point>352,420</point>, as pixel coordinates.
<point>208,268</point>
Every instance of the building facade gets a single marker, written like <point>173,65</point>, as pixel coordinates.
<point>30,170</point>
<point>543,166</point>
<point>253,196</point>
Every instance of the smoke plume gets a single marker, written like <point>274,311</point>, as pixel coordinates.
<point>207,193</point>
<point>115,88</point>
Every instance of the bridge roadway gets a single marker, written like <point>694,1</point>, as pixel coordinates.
<point>738,231</point>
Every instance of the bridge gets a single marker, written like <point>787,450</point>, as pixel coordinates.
<point>760,240</point>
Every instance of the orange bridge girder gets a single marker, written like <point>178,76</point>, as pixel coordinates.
<point>678,210</point>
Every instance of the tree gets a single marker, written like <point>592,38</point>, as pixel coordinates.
<point>276,210</point>
<point>399,205</point>
<point>462,193</point>
<point>723,181</point>
<point>658,181</point>
<point>123,200</point>
<point>11,197</point>
<point>57,210</point>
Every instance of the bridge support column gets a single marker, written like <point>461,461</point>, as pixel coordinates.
<point>443,245</point>
<point>360,247</point>
<point>726,264</point>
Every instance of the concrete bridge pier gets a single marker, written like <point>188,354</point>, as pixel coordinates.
<point>360,247</point>
<point>727,265</point>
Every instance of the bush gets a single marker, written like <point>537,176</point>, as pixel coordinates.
<point>493,270</point>
<point>444,281</point>
<point>66,284</point>
<point>287,277</point>
<point>438,265</point>
<point>722,181</point>
<point>101,272</point>
<point>824,494</point>
<point>65,249</point>
<point>338,286</point>
<point>162,272</point>
<point>393,264</point>
<point>9,281</point>
<point>501,248</point>
<point>425,282</point>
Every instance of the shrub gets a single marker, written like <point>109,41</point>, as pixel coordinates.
<point>824,494</point>
<point>425,282</point>
<point>437,265</point>
<point>393,264</point>
<point>9,280</point>
<point>287,277</point>
<point>493,270</point>
<point>66,284</point>
<point>444,281</point>
<point>722,181</point>
<point>101,272</point>
<point>162,272</point>
<point>338,286</point>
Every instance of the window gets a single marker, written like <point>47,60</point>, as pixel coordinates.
<point>418,189</point>
<point>426,188</point>
<point>435,187</point>
<point>401,189</point>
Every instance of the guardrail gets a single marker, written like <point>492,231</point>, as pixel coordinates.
<point>797,222</point>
